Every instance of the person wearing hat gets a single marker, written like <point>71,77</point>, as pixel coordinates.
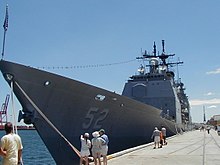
<point>85,146</point>
<point>104,146</point>
<point>96,147</point>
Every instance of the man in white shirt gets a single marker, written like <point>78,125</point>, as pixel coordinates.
<point>11,146</point>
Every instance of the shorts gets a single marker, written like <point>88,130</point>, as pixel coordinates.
<point>96,154</point>
<point>84,153</point>
<point>104,150</point>
<point>156,139</point>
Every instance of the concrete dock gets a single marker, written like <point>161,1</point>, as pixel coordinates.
<point>191,148</point>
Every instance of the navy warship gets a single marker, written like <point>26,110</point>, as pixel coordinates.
<point>61,109</point>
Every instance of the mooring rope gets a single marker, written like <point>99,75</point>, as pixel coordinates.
<point>13,110</point>
<point>47,120</point>
<point>15,129</point>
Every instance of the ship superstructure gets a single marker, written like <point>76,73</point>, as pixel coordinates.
<point>156,85</point>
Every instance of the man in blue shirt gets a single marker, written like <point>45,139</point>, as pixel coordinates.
<point>104,147</point>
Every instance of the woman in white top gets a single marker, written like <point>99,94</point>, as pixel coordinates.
<point>85,146</point>
<point>96,147</point>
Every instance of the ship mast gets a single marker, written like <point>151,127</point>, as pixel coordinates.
<point>204,117</point>
<point>153,59</point>
<point>163,55</point>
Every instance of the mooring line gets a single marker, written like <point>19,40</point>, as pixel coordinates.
<point>13,110</point>
<point>15,129</point>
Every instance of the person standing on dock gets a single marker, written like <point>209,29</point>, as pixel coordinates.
<point>96,147</point>
<point>163,130</point>
<point>11,146</point>
<point>161,139</point>
<point>208,129</point>
<point>156,136</point>
<point>85,146</point>
<point>104,146</point>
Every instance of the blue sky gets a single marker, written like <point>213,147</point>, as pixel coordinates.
<point>88,32</point>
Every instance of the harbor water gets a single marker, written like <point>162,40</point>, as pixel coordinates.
<point>34,151</point>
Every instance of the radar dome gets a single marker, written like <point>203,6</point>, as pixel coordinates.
<point>154,61</point>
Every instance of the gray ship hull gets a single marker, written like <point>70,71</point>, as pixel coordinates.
<point>73,108</point>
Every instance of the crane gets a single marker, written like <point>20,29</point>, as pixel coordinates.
<point>3,112</point>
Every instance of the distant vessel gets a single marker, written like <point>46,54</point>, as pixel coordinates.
<point>53,104</point>
<point>20,127</point>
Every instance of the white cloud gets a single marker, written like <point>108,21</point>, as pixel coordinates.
<point>212,106</point>
<point>197,102</point>
<point>217,71</point>
<point>209,94</point>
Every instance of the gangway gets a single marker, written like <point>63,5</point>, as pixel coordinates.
<point>3,112</point>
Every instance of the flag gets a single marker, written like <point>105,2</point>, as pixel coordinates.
<point>6,19</point>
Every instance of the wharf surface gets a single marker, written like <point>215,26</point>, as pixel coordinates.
<point>190,148</point>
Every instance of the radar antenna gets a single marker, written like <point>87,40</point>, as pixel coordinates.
<point>163,50</point>
<point>155,50</point>
<point>164,56</point>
